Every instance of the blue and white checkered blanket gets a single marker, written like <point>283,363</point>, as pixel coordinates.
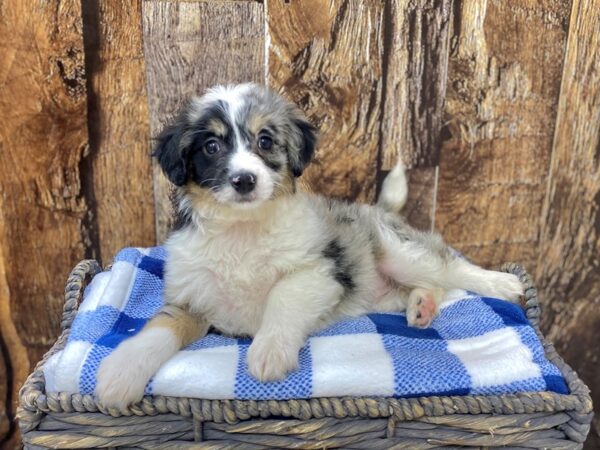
<point>476,346</point>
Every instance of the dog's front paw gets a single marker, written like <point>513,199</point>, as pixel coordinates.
<point>270,360</point>
<point>118,382</point>
<point>423,306</point>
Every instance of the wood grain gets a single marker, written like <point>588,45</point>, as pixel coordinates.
<point>43,137</point>
<point>416,61</point>
<point>415,71</point>
<point>327,57</point>
<point>14,361</point>
<point>503,83</point>
<point>190,47</point>
<point>4,398</point>
<point>419,210</point>
<point>119,167</point>
<point>569,252</point>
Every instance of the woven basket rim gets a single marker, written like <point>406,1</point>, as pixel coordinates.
<point>34,402</point>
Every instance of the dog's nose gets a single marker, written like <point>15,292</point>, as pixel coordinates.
<point>243,182</point>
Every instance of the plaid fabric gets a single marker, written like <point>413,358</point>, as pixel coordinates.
<point>476,346</point>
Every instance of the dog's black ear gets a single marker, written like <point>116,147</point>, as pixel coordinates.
<point>308,142</point>
<point>171,155</point>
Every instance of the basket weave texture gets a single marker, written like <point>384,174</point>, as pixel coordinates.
<point>518,421</point>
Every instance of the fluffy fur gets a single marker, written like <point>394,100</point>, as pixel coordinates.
<point>254,256</point>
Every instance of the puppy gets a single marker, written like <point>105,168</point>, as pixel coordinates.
<point>254,256</point>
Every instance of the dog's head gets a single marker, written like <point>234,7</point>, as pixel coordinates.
<point>243,144</point>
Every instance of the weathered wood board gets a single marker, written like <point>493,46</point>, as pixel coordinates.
<point>327,57</point>
<point>4,398</point>
<point>568,271</point>
<point>503,83</point>
<point>420,205</point>
<point>119,169</point>
<point>14,360</point>
<point>189,47</point>
<point>415,66</point>
<point>43,137</point>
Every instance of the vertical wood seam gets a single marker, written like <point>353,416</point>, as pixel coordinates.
<point>267,42</point>
<point>503,81</point>
<point>453,5</point>
<point>547,195</point>
<point>435,192</point>
<point>44,137</point>
<point>89,231</point>
<point>121,214</point>
<point>388,30</point>
<point>440,60</point>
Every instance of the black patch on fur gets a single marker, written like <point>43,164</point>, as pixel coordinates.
<point>343,267</point>
<point>399,230</point>
<point>181,162</point>
<point>210,171</point>
<point>181,220</point>
<point>344,219</point>
<point>307,149</point>
<point>271,163</point>
<point>170,155</point>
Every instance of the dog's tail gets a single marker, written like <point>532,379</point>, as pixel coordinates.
<point>394,190</point>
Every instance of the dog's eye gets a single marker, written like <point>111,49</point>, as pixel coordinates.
<point>212,147</point>
<point>265,143</point>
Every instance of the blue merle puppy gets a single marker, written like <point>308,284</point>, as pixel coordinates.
<point>256,256</point>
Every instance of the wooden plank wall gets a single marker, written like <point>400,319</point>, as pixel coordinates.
<point>317,51</point>
<point>42,208</point>
<point>492,104</point>
<point>118,160</point>
<point>503,82</point>
<point>74,157</point>
<point>568,271</point>
<point>415,68</point>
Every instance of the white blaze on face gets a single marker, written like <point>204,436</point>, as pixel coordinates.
<point>242,160</point>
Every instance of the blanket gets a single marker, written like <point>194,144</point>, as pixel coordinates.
<point>475,346</point>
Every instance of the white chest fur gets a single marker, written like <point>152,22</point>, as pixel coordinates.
<point>226,274</point>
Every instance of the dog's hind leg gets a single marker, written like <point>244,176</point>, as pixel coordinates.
<point>421,305</point>
<point>428,263</point>
<point>423,260</point>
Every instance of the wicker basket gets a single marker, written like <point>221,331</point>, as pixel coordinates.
<point>525,420</point>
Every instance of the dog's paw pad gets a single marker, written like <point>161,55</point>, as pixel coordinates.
<point>422,308</point>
